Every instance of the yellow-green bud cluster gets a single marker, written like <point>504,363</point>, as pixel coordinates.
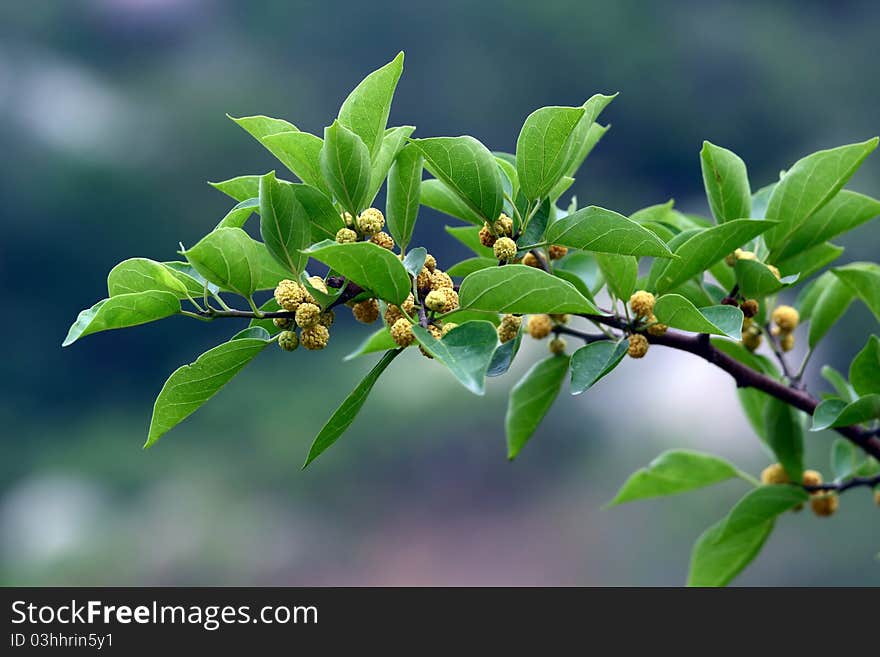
<point>539,326</point>
<point>509,327</point>
<point>370,221</point>
<point>638,346</point>
<point>642,303</point>
<point>383,239</point>
<point>504,249</point>
<point>313,323</point>
<point>288,341</point>
<point>557,346</point>
<point>346,236</point>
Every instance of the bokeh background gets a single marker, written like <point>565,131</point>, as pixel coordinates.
<point>112,119</point>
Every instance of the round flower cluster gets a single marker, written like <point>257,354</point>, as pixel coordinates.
<point>502,227</point>
<point>823,502</point>
<point>785,320</point>
<point>313,322</point>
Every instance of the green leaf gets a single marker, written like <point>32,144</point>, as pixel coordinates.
<point>756,280</point>
<point>759,506</point>
<point>122,311</point>
<point>864,371</point>
<point>716,563</point>
<point>368,265</point>
<point>503,357</point>
<point>414,261</point>
<point>727,183</point>
<point>437,196</point>
<point>468,169</point>
<point>142,274</point>
<point>324,218</point>
<point>519,289</point>
<point>840,384</point>
<point>785,436</point>
<point>832,299</point>
<point>466,351</point>
<point>543,148</point>
<point>593,361</point>
<point>193,280</point>
<point>365,111</point>
<point>810,261</point>
<point>863,278</point>
<point>348,410</point>
<point>380,340</point>
<point>808,185</point>
<point>581,270</point>
<point>833,413</point>
<point>845,460</point>
<point>238,215</point>
<point>704,248</point>
<point>530,399</point>
<point>402,207</point>
<point>284,224</point>
<point>673,472</point>
<point>845,211</point>
<point>677,312</point>
<point>582,147</point>
<point>470,265</point>
<point>300,152</point>
<point>392,143</point>
<point>263,126</point>
<point>192,385</point>
<point>345,165</point>
<point>509,178</point>
<point>597,229</point>
<point>235,262</point>
<point>470,237</point>
<point>621,272</point>
<point>241,188</point>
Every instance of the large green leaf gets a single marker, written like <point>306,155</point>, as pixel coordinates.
<point>519,289</point>
<point>785,436</point>
<point>621,272</point>
<point>192,385</point>
<point>543,148</point>
<point>379,340</point>
<point>833,413</point>
<point>345,165</point>
<point>530,399</point>
<point>143,274</point>
<point>300,152</point>
<point>122,311</point>
<point>727,183</point>
<point>284,224</point>
<point>677,312</point>
<point>404,183</point>
<point>760,505</point>
<point>584,271</point>
<point>470,265</point>
<point>437,196</point>
<point>716,563</point>
<point>241,188</point>
<point>704,248</point>
<point>842,213</point>
<point>864,371</point>
<point>831,299</point>
<point>348,410</point>
<point>593,361</point>
<point>262,126</point>
<point>365,111</point>
<point>806,263</point>
<point>466,351</point>
<point>605,231</point>
<point>673,472</point>
<point>368,265</point>
<point>324,218</point>
<point>392,143</point>
<point>238,215</point>
<point>583,146</point>
<point>808,185</point>
<point>234,261</point>
<point>468,169</point>
<point>863,278</point>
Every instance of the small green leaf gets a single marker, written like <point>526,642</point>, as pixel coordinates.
<point>864,371</point>
<point>392,143</point>
<point>414,261</point>
<point>437,196</point>
<point>543,148</point>
<point>845,460</point>
<point>365,111</point>
<point>863,278</point>
<point>808,185</point>
<point>593,361</point>
<point>470,265</point>
<point>519,289</point>
<point>466,351</point>
<point>368,265</point>
<point>380,340</point>
<point>263,126</point>
<point>345,165</point>
<point>582,147</point>
<point>677,312</point>
<point>300,152</point>
<point>404,183</point>
<point>673,472</point>
<point>470,237</point>
<point>468,169</point>
<point>284,224</point>
<point>348,410</point>
<point>806,263</point>
<point>122,311</point>
<point>530,399</point>
<point>503,357</point>
<point>716,563</point>
<point>241,188</point>
<point>192,385</point>
<point>756,280</point>
<point>324,218</point>
<point>621,272</point>
<point>584,271</point>
<point>833,413</point>
<point>727,183</point>
<point>839,382</point>
<point>597,229</point>
<point>238,216</point>
<point>142,274</point>
<point>234,261</point>
<point>759,506</point>
<point>832,298</point>
<point>785,436</point>
<point>706,247</point>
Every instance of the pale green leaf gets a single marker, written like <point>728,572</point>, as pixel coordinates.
<point>437,196</point>
<point>365,111</point>
<point>466,351</point>
<point>392,143</point>
<point>404,183</point>
<point>759,506</point>
<point>833,413</point>
<point>864,371</point>
<point>716,563</point>
<point>143,274</point>
<point>593,361</point>
<point>677,312</point>
<point>122,311</point>
<point>368,265</point>
<point>543,148</point>
<point>605,231</point>
<point>241,188</point>
<point>300,152</point>
<point>621,273</point>
<point>284,225</point>
<point>345,166</point>
<point>727,183</point>
<point>531,398</point>
<point>519,289</point>
<point>785,436</point>
<point>863,278</point>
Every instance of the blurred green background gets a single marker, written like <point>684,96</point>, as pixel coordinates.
<point>112,118</point>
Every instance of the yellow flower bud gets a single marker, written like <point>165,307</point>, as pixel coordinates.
<point>824,503</point>
<point>539,326</point>
<point>289,294</point>
<point>371,221</point>
<point>346,236</point>
<point>505,249</point>
<point>383,239</point>
<point>307,315</point>
<point>366,312</point>
<point>315,337</point>
<point>557,251</point>
<point>786,318</point>
<point>557,346</point>
<point>402,333</point>
<point>774,474</point>
<point>642,303</point>
<point>638,346</point>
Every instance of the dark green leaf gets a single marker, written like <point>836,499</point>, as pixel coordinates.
<point>466,351</point>
<point>404,182</point>
<point>368,265</point>
<point>530,399</point>
<point>597,229</point>
<point>519,289</point>
<point>324,218</point>
<point>863,278</point>
<point>864,371</point>
<point>845,460</point>
<point>593,361</point>
<point>470,237</point>
<point>284,224</point>
<point>785,436</point>
<point>676,311</point>
<point>755,279</point>
<point>832,299</point>
<point>122,311</point>
<point>727,183</point>
<point>392,143</point>
<point>833,413</point>
<point>807,263</point>
<point>503,357</point>
<point>365,111</point>
<point>543,148</point>
<point>469,266</point>
<point>345,165</point>
<point>839,382</point>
